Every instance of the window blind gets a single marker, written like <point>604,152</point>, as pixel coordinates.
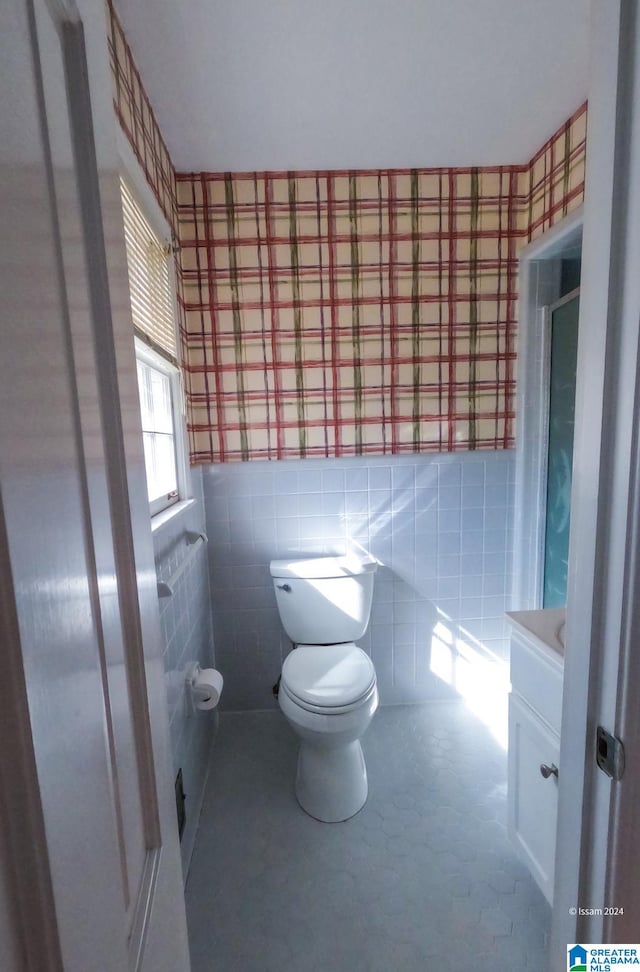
<point>149,281</point>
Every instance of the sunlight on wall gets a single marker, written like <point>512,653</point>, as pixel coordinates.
<point>477,675</point>
<point>346,597</point>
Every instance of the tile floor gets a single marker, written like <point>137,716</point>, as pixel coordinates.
<point>422,879</point>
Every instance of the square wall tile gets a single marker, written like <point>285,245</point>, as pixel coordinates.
<point>437,524</point>
<point>380,477</point>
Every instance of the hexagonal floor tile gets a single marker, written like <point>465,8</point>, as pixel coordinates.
<point>406,885</point>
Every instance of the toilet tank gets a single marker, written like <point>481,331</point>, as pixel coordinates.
<point>324,600</point>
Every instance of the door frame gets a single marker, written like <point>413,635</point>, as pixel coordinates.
<point>539,275</point>
<point>613,827</point>
<point>605,500</point>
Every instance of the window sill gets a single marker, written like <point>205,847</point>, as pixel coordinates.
<point>166,516</point>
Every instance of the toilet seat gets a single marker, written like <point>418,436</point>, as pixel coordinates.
<point>328,679</point>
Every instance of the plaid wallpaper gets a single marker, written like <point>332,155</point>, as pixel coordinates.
<point>347,313</point>
<point>340,313</point>
<point>137,120</point>
<point>555,177</point>
<point>368,312</point>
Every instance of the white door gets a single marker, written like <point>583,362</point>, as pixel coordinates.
<point>598,840</point>
<point>91,875</point>
<point>614,832</point>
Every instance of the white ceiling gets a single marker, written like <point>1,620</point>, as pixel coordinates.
<point>297,84</point>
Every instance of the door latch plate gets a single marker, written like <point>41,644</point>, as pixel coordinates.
<point>609,753</point>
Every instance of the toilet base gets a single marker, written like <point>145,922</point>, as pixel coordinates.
<point>331,781</point>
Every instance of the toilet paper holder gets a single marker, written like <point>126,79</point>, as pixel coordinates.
<point>204,687</point>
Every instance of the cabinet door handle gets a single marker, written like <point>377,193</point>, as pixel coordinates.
<point>548,771</point>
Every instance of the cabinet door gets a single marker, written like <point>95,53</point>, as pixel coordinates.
<point>532,799</point>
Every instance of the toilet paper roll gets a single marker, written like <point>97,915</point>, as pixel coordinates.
<point>207,688</point>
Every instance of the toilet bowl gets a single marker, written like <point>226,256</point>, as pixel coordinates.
<point>328,690</point>
<point>330,713</point>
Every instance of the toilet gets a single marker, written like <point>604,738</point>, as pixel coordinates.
<point>328,691</point>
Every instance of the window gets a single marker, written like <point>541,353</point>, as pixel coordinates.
<point>159,388</point>
<point>153,313</point>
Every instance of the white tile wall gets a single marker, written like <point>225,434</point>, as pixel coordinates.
<point>188,637</point>
<point>441,527</point>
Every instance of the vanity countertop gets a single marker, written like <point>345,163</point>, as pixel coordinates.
<point>545,626</point>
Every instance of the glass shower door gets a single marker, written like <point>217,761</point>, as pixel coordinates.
<point>562,392</point>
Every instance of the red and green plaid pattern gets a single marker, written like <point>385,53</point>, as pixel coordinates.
<point>137,119</point>
<point>555,176</point>
<point>348,313</point>
<point>369,312</point>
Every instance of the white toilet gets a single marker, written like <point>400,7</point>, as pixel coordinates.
<point>328,687</point>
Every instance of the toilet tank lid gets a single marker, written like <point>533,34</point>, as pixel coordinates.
<point>316,567</point>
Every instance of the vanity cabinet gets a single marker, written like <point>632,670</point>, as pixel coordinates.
<point>535,708</point>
